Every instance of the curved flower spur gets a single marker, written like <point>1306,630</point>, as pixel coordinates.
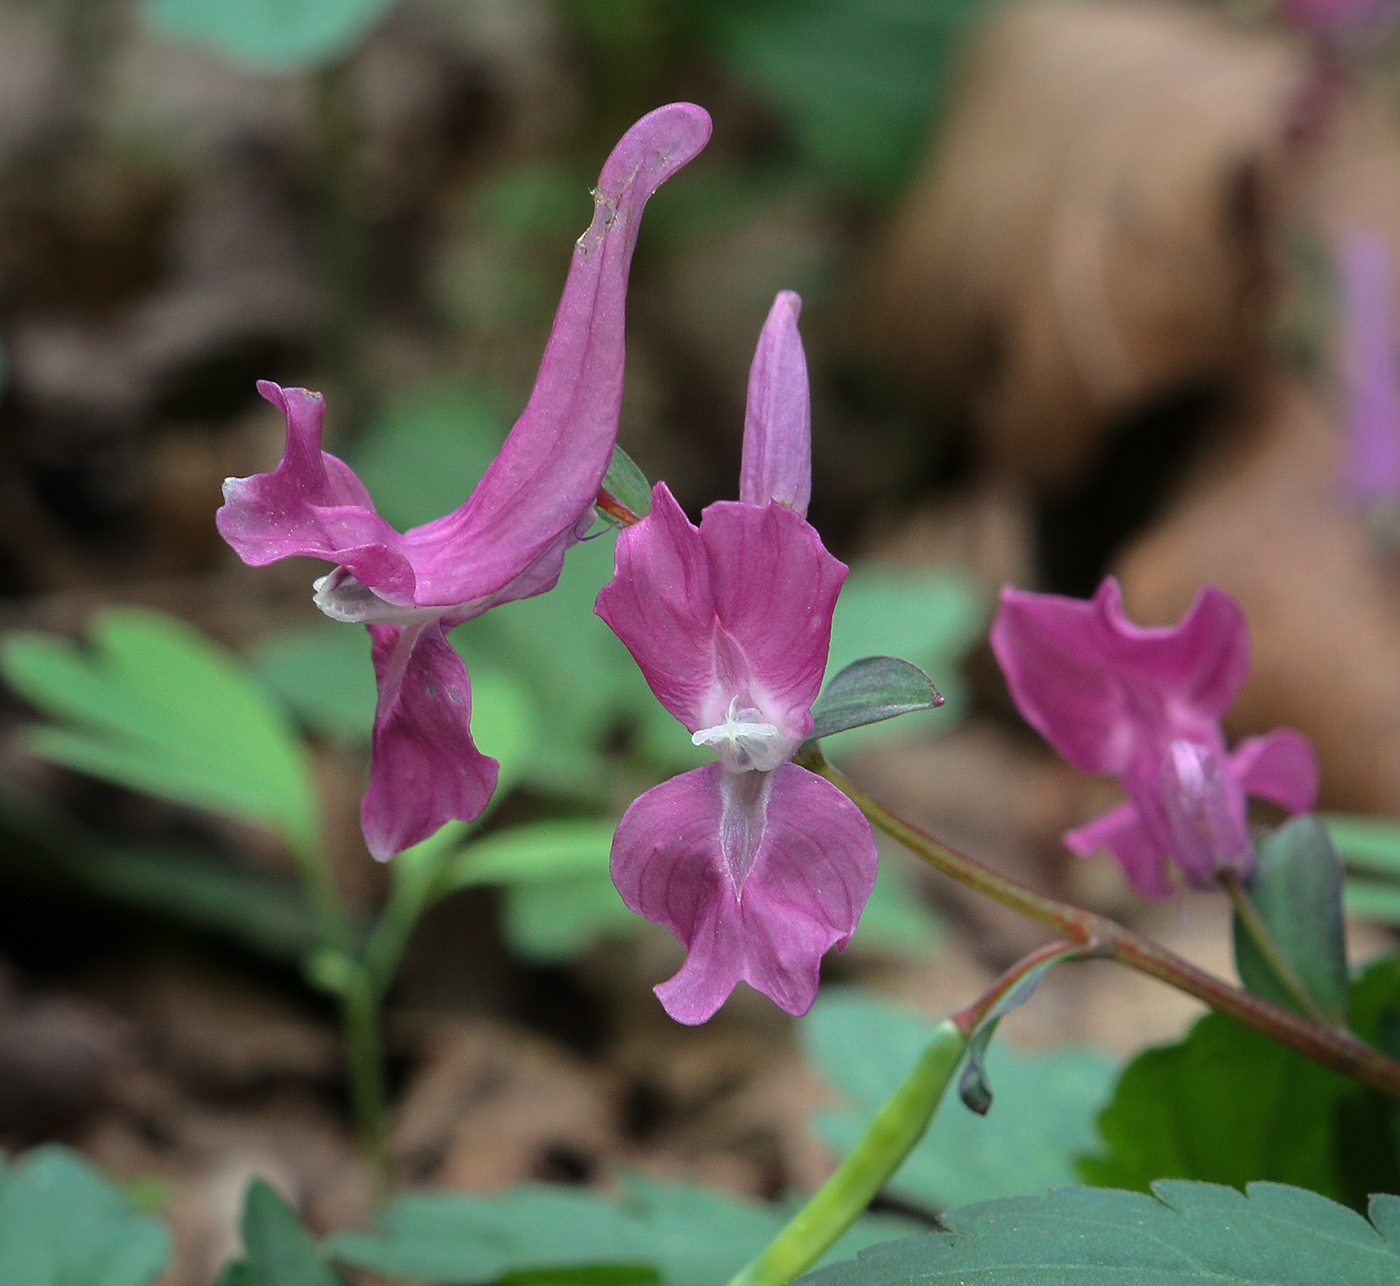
<point>506,542</point>
<point>755,864</point>
<point>1144,704</point>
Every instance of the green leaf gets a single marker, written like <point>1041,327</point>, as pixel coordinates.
<point>896,919</point>
<point>1186,1234</point>
<point>428,450</point>
<point>558,921</point>
<point>1043,1116</point>
<point>268,36</point>
<point>589,1275</point>
<point>62,1224</point>
<point>278,1250</point>
<point>1226,1105</point>
<point>157,707</point>
<point>534,852</point>
<point>932,618</point>
<point>857,79</point>
<point>627,483</point>
<point>1372,900</point>
<point>559,898</point>
<point>692,1236</point>
<point>870,690</point>
<point>1296,887</point>
<point>1368,844</point>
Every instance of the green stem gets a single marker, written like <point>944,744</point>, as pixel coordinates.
<point>359,1014</point>
<point>1327,1045</point>
<point>342,243</point>
<point>898,1126</point>
<point>1268,948</point>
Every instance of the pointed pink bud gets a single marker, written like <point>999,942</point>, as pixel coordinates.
<point>777,462</point>
<point>1145,705</point>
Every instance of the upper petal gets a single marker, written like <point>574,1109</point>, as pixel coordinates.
<point>809,872</point>
<point>777,462</point>
<point>739,607</point>
<point>311,504</point>
<point>425,768</point>
<point>1101,689</point>
<point>1281,766</point>
<point>548,471</point>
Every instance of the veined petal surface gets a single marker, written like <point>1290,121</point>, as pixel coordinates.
<point>777,463</point>
<point>766,915</point>
<point>740,606</point>
<point>425,768</point>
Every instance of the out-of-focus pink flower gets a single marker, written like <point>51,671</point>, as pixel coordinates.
<point>1341,20</point>
<point>1145,706</point>
<point>506,542</point>
<point>1371,413</point>
<point>756,865</point>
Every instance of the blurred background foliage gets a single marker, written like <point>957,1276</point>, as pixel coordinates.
<point>1069,306</point>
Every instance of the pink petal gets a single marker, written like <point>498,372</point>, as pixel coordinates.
<point>311,504</point>
<point>1121,832</point>
<point>759,898</point>
<point>740,606</point>
<point>1200,663</point>
<point>1101,689</point>
<point>778,424</point>
<point>547,474</point>
<point>1280,766</point>
<point>425,768</point>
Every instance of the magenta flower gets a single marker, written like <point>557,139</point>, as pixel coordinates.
<point>1145,706</point>
<point>756,865</point>
<point>1371,413</point>
<point>506,542</point>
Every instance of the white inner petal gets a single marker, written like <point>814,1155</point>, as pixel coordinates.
<point>343,598</point>
<point>745,742</point>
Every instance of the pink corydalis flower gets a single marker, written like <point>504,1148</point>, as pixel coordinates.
<point>1145,705</point>
<point>506,542</point>
<point>756,865</point>
<point>1371,409</point>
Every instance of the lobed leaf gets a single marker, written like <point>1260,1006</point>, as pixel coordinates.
<point>1184,1234</point>
<point>268,36</point>
<point>62,1224</point>
<point>155,706</point>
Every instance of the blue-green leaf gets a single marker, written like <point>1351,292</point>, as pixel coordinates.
<point>1042,1119</point>
<point>871,690</point>
<point>1296,887</point>
<point>62,1224</point>
<point>154,706</point>
<point>268,36</point>
<point>278,1251</point>
<point>693,1236</point>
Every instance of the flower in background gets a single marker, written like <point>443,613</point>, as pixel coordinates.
<point>1337,21</point>
<point>506,542</point>
<point>1371,409</point>
<point>756,865</point>
<point>1145,705</point>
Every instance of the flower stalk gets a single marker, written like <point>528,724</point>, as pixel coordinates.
<point>839,1202</point>
<point>1327,1045</point>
